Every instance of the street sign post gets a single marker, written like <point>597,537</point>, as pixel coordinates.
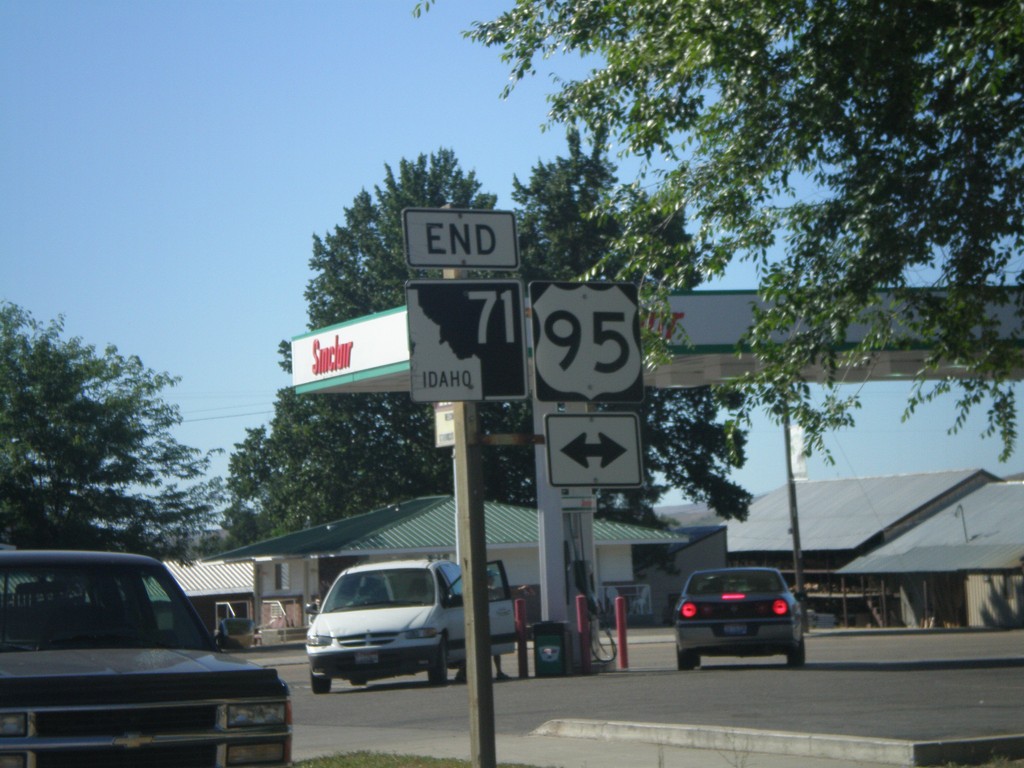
<point>586,339</point>
<point>453,238</point>
<point>594,450</point>
<point>467,340</point>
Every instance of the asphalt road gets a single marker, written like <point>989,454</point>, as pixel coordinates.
<point>914,685</point>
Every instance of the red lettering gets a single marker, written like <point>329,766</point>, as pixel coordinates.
<point>336,357</point>
<point>654,323</point>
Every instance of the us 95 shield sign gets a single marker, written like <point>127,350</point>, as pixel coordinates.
<point>586,342</point>
<point>467,340</point>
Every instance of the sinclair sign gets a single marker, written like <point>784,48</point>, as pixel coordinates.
<point>356,356</point>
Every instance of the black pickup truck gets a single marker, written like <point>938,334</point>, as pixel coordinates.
<point>104,662</point>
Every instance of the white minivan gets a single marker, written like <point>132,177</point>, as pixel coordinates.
<point>400,618</point>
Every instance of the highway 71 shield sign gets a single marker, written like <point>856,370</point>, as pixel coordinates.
<point>586,339</point>
<point>467,340</point>
<point>593,449</point>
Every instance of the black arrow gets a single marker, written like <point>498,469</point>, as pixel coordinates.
<point>579,450</point>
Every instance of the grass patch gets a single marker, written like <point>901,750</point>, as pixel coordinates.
<point>378,760</point>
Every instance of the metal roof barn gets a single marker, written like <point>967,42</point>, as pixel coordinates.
<point>846,514</point>
<point>982,532</point>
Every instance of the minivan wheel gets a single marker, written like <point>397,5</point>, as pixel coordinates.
<point>438,672</point>
<point>320,683</point>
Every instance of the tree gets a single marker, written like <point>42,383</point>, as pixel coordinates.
<point>561,238</point>
<point>87,460</point>
<point>329,457</point>
<point>844,147</point>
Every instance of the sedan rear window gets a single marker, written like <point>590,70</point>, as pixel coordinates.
<point>744,582</point>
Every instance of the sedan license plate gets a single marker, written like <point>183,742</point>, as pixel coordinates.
<point>734,629</point>
<point>366,657</point>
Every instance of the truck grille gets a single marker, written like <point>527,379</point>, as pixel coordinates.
<point>367,639</point>
<point>155,757</point>
<point>100,722</point>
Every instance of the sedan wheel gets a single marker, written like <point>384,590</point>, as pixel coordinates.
<point>686,660</point>
<point>796,657</point>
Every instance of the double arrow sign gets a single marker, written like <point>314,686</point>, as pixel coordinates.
<point>593,449</point>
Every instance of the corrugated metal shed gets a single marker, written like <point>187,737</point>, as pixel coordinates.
<point>199,579</point>
<point>843,514</point>
<point>427,525</point>
<point>983,531</point>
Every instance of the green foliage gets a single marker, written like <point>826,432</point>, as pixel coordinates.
<point>87,460</point>
<point>382,760</point>
<point>843,147</point>
<point>329,457</point>
<point>564,236</point>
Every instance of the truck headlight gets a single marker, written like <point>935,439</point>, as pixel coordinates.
<point>13,724</point>
<point>249,754</point>
<point>422,633</point>
<point>255,714</point>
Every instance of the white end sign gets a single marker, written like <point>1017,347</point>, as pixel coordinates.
<point>460,238</point>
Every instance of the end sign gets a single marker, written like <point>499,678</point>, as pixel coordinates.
<point>460,238</point>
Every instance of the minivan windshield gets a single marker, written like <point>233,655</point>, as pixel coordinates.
<point>381,589</point>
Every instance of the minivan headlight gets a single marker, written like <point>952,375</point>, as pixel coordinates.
<point>422,633</point>
<point>318,641</point>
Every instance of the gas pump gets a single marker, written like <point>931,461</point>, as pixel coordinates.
<point>580,581</point>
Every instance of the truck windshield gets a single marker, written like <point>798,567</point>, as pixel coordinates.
<point>381,589</point>
<point>56,607</point>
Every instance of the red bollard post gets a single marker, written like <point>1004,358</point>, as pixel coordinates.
<point>583,626</point>
<point>620,631</point>
<point>519,606</point>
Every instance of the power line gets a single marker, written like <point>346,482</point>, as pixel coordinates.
<point>232,416</point>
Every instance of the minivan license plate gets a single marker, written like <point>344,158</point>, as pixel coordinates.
<point>366,657</point>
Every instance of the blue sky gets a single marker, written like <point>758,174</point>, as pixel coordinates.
<point>164,166</point>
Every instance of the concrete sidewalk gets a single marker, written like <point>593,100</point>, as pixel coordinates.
<point>595,744</point>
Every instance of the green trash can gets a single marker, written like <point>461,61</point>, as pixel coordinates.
<point>551,652</point>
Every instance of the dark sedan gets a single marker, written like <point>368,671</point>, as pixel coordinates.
<point>738,612</point>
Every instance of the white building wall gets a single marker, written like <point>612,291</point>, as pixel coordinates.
<point>615,563</point>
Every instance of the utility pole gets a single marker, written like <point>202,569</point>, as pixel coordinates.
<point>469,503</point>
<point>794,519</point>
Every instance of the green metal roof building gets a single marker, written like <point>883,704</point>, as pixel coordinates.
<point>426,527</point>
<point>291,569</point>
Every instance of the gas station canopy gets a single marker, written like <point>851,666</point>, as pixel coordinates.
<point>371,354</point>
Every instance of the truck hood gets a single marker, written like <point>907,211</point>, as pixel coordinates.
<point>398,619</point>
<point>116,661</point>
<point>99,676</point>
